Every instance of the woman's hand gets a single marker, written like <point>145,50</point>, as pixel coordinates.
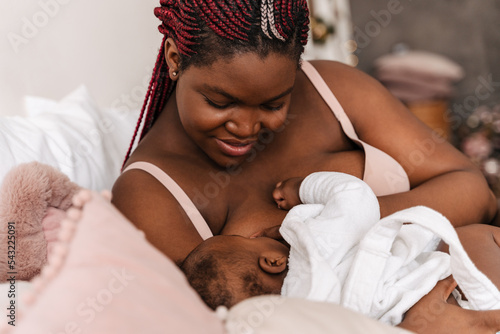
<point>439,313</point>
<point>286,193</point>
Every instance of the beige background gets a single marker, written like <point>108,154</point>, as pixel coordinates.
<point>50,47</point>
<point>467,32</point>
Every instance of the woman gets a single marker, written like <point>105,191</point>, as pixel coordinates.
<point>232,111</point>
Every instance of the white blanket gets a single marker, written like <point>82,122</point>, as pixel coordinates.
<point>74,135</point>
<point>341,252</point>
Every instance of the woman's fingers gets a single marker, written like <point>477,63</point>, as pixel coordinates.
<point>432,313</point>
<point>445,287</point>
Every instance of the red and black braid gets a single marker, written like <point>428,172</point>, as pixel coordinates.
<point>206,30</point>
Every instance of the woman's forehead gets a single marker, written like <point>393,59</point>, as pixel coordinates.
<point>250,63</point>
<point>246,75</point>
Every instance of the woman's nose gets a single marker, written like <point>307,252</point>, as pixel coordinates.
<point>245,124</point>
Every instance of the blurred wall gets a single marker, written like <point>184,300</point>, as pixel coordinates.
<point>466,31</point>
<point>49,47</point>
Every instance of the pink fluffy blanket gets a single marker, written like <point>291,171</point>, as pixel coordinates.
<point>33,201</point>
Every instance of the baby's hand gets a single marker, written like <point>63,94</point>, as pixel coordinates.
<point>286,193</point>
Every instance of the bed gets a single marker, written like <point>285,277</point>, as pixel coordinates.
<point>54,109</point>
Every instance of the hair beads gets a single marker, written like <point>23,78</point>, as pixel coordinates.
<point>267,18</point>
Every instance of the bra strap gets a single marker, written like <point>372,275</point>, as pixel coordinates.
<point>330,99</point>
<point>193,213</point>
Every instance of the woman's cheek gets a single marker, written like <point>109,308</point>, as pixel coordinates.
<point>194,114</point>
<point>277,121</point>
<point>205,119</point>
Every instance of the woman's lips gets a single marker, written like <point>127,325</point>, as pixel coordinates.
<point>234,148</point>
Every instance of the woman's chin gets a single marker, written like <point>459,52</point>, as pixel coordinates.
<point>231,164</point>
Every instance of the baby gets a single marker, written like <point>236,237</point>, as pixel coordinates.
<point>337,249</point>
<point>227,269</point>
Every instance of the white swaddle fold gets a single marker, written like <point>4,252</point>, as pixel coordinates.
<point>320,235</point>
<point>341,252</point>
<point>394,275</point>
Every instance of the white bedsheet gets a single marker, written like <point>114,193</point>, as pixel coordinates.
<point>74,135</point>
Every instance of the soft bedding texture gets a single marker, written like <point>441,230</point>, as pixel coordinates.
<point>104,277</point>
<point>74,135</point>
<point>34,197</point>
<point>283,315</point>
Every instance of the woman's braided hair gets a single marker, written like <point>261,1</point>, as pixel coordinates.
<point>207,30</point>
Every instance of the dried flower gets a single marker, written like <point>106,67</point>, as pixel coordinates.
<point>480,141</point>
<point>477,146</point>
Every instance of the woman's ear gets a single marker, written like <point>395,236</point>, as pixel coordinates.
<point>173,58</point>
<point>272,263</point>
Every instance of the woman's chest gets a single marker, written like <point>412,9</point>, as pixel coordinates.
<point>249,205</point>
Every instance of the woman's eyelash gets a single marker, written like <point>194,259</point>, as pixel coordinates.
<point>215,105</point>
<point>220,106</point>
<point>276,108</point>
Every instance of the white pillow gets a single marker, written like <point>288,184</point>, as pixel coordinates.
<point>74,135</point>
<point>283,315</point>
<point>104,277</point>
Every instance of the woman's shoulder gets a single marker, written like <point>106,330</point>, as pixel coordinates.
<point>330,65</point>
<point>344,79</point>
<point>357,92</point>
<point>137,194</point>
<point>172,178</point>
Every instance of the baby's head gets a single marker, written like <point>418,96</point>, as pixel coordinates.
<point>225,270</point>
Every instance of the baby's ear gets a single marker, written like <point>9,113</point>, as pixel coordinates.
<point>272,263</point>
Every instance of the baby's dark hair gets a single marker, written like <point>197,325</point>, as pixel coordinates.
<point>219,275</point>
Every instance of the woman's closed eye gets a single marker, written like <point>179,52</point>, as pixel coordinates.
<point>217,105</point>
<point>273,108</point>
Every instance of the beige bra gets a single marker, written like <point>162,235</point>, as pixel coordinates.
<point>382,173</point>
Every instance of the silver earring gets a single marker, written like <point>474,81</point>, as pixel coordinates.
<point>174,73</point>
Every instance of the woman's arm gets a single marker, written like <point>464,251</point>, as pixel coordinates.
<point>437,313</point>
<point>153,209</point>
<point>440,176</point>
